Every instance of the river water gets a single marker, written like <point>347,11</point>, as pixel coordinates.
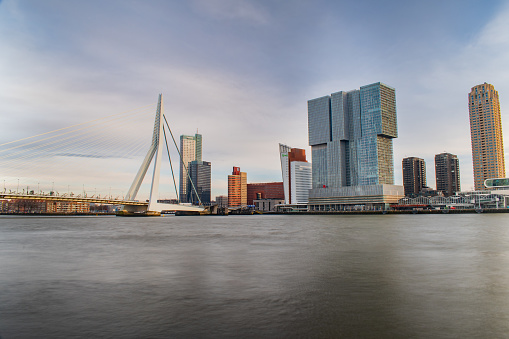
<point>383,276</point>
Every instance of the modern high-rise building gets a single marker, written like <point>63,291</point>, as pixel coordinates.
<point>199,173</point>
<point>285,170</point>
<point>486,134</point>
<point>237,188</point>
<point>414,175</point>
<point>190,150</point>
<point>447,173</point>
<point>350,134</point>
<point>297,174</point>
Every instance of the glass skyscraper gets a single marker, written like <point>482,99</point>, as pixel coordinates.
<point>350,134</point>
<point>190,150</point>
<point>199,174</point>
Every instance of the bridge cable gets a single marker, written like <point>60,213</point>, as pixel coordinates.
<point>61,146</point>
<point>60,129</point>
<point>89,138</point>
<point>72,145</point>
<point>171,166</point>
<point>182,160</point>
<point>72,131</point>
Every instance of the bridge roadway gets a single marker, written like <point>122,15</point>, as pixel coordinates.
<point>71,199</point>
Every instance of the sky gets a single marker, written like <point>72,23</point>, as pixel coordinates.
<point>241,72</point>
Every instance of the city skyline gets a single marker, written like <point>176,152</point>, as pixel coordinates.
<point>242,71</point>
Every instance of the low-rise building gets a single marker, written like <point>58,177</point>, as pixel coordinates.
<point>267,205</point>
<point>34,206</point>
<point>67,207</point>
<point>222,201</point>
<point>367,197</point>
<point>264,190</point>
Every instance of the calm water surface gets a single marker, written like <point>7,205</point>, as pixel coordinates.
<point>385,276</point>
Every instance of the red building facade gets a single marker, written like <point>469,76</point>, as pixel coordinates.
<point>237,188</point>
<point>265,190</point>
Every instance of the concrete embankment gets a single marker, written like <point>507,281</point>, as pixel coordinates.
<point>448,211</point>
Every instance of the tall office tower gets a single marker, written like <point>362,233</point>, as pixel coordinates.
<point>350,134</point>
<point>486,134</point>
<point>297,174</point>
<point>447,173</point>
<point>414,175</point>
<point>237,188</point>
<point>199,173</point>
<point>190,150</point>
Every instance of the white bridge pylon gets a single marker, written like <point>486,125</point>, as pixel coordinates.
<point>156,148</point>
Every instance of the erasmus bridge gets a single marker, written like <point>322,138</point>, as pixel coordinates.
<point>29,156</point>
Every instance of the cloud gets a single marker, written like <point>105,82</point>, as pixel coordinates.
<point>239,10</point>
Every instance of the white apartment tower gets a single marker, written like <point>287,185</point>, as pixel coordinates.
<point>296,172</point>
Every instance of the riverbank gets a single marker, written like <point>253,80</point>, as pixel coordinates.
<point>59,214</point>
<point>423,211</point>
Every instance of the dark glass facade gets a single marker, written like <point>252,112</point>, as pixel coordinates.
<point>199,173</point>
<point>447,173</point>
<point>414,175</point>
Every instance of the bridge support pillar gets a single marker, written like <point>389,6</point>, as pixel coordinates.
<point>155,150</point>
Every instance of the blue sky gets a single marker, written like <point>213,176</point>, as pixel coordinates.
<point>241,72</point>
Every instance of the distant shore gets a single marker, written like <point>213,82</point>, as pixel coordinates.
<point>59,214</point>
<point>423,211</point>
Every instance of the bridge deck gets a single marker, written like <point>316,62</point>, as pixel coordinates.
<point>72,199</point>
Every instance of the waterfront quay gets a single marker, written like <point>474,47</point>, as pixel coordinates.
<point>412,211</point>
